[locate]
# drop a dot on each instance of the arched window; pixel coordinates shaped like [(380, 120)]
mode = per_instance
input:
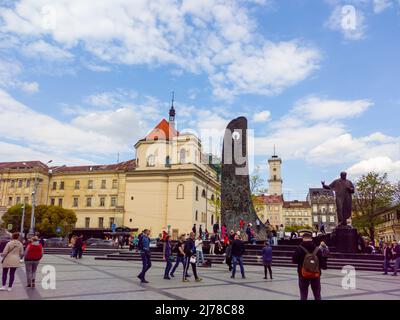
[(151, 161), (183, 155), (197, 216), (197, 193), (203, 193), (212, 197), (180, 191), (167, 161)]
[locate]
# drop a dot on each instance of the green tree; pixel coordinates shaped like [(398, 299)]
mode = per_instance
[(296, 228), (256, 183), (215, 203), (373, 192), (47, 219)]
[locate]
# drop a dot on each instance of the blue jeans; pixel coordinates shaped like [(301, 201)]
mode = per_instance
[(396, 265), (199, 256), (167, 268), (386, 265), (235, 260), (177, 262), (146, 261)]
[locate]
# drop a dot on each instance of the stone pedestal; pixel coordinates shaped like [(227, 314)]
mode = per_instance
[(346, 239)]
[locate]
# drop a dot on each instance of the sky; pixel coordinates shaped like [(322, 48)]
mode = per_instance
[(81, 83)]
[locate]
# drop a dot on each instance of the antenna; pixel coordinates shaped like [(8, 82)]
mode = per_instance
[(172, 101)]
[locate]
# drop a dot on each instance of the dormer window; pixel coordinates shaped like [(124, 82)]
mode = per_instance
[(151, 161)]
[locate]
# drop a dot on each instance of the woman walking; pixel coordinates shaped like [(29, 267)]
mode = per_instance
[(33, 255), (11, 256), (267, 260), (168, 257)]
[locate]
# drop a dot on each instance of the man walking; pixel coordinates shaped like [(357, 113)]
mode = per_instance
[(387, 257), (396, 256), (190, 258), (309, 262), (144, 249), (237, 256)]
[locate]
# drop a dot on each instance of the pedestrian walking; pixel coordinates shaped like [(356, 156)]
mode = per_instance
[(72, 245), (11, 256), (33, 255), (190, 258), (309, 262), (237, 256), (228, 254), (167, 256), (267, 260), (180, 254), (274, 237), (199, 250), (387, 257), (396, 257), (213, 239), (78, 247), (144, 249)]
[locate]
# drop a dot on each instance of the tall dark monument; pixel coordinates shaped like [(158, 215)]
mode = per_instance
[(236, 202), (345, 237)]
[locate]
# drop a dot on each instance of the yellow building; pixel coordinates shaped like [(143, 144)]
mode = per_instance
[(272, 210), (297, 213), (170, 185), (389, 228)]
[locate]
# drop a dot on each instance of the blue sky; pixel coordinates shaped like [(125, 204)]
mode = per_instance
[(320, 79)]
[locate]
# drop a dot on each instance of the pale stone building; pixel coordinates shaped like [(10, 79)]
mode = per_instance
[(389, 227), (272, 210), (297, 213), (170, 185), (323, 208)]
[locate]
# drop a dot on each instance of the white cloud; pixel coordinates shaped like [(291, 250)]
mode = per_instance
[(216, 37), (377, 164), (316, 108), (381, 5), (98, 68), (262, 116), (31, 87), (114, 98)]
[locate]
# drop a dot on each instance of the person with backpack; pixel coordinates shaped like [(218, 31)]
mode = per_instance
[(180, 254), (309, 262), (190, 258), (12, 253), (267, 260), (144, 249), (33, 255), (167, 256)]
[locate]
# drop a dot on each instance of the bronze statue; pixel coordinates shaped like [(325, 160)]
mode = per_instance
[(343, 190)]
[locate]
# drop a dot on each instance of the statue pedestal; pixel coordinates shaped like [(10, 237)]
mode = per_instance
[(346, 239)]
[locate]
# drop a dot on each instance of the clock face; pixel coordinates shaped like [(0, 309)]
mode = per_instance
[(235, 135)]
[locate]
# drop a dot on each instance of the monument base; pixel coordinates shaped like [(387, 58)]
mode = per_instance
[(346, 239)]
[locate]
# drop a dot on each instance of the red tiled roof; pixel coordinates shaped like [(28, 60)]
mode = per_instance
[(296, 204), (162, 131), (22, 165), (126, 166), (269, 199)]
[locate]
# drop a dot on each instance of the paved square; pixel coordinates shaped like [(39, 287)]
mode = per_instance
[(97, 279)]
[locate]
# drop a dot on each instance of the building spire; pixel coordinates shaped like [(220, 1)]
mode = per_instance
[(274, 150), (172, 110)]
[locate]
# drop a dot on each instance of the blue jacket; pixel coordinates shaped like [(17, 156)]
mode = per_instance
[(167, 249), (145, 243), (267, 254)]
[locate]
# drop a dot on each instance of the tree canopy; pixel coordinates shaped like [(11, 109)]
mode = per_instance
[(47, 219)]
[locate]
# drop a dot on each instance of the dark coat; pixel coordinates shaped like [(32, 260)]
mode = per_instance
[(299, 254), (237, 248)]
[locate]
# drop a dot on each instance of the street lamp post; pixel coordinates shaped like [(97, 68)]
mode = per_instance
[(23, 219), (34, 192)]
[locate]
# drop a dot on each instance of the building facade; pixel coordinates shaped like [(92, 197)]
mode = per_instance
[(275, 176), (323, 208), (170, 185), (297, 213), (389, 227), (272, 210)]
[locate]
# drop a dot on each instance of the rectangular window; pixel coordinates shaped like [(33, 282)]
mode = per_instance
[(28, 183), (315, 219), (103, 184), (75, 202), (54, 185), (102, 202), (12, 183), (113, 201), (26, 199), (332, 219), (315, 208), (52, 201), (87, 222), (19, 183), (88, 202), (323, 218), (62, 185), (60, 202), (115, 184), (101, 223), (77, 185), (19, 200), (111, 222), (90, 184)]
